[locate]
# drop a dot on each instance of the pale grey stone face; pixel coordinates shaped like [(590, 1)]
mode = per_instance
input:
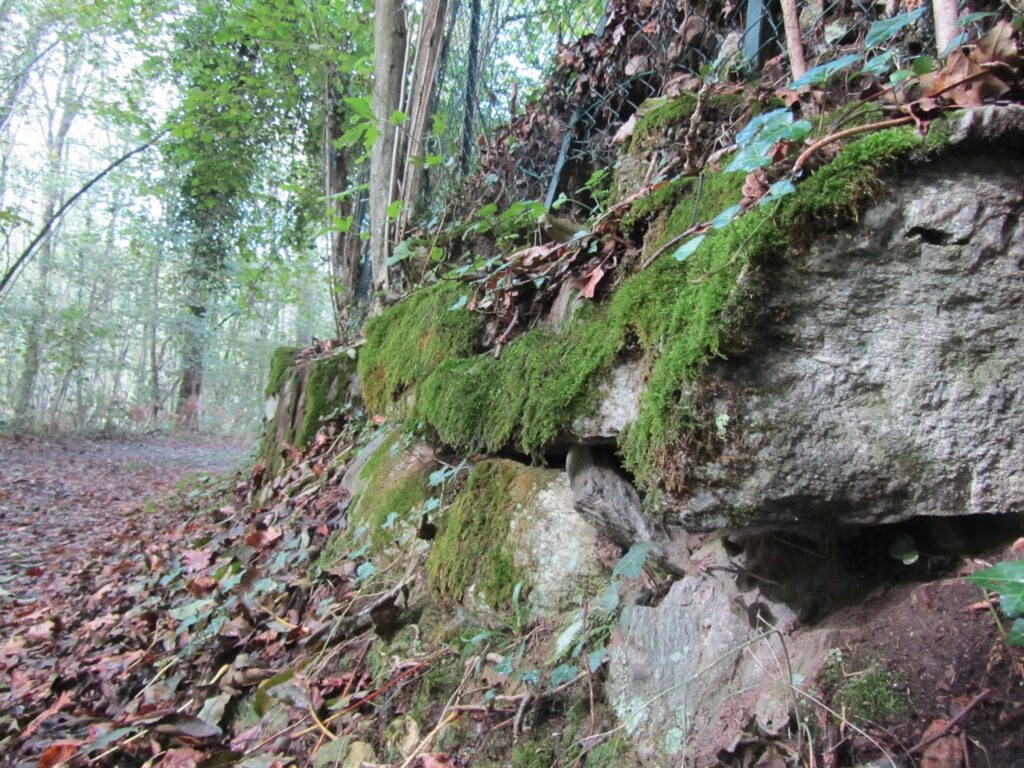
[(882, 378)]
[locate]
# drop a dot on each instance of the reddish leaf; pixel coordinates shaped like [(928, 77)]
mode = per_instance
[(591, 281), (58, 752)]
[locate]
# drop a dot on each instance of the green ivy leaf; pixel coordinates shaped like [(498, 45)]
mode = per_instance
[(594, 659), (562, 674), (360, 105), (725, 217), (462, 302), (1008, 580), (1016, 634), (878, 65), (687, 249), (779, 189), (632, 563), (820, 74), (884, 30), (365, 571)]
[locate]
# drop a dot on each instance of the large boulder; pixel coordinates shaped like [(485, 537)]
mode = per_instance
[(881, 380)]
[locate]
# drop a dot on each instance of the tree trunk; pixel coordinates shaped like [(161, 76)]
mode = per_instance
[(389, 40), (421, 107), (56, 141), (469, 98), (190, 389), (346, 254)]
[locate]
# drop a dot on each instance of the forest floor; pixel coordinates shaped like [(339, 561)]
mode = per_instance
[(75, 511), (71, 501)]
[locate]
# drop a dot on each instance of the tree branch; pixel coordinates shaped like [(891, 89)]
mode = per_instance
[(26, 254)]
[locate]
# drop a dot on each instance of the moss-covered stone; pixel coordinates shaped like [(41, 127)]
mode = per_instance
[(471, 547), (324, 392), (409, 340), (679, 314), (280, 361), (658, 118), (306, 393), (875, 694)]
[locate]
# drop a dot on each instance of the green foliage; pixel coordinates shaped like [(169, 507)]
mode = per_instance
[(470, 544), (391, 499), (532, 755), (408, 341), (1007, 580)]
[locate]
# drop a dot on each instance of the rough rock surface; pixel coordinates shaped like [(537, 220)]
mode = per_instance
[(558, 548), (882, 378), (697, 672)]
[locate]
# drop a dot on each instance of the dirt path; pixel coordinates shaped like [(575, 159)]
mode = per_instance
[(69, 502)]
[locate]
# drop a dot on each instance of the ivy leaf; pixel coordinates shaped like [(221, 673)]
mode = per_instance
[(504, 667), (365, 571), (820, 74), (687, 249), (884, 30), (360, 105), (595, 658), (1008, 580), (878, 65), (779, 189), (562, 674), (632, 563), (462, 302), (725, 217), (1016, 634)]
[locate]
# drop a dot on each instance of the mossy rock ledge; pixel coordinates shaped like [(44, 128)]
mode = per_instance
[(847, 355)]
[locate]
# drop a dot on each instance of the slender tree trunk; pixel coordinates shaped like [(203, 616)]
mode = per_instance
[(56, 141), (389, 52), (946, 29), (469, 97), (190, 388), (421, 106)]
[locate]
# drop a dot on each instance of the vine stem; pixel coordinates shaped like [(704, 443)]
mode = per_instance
[(840, 135)]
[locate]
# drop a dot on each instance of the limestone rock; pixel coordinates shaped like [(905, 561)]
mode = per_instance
[(705, 667), (882, 379), (617, 407)]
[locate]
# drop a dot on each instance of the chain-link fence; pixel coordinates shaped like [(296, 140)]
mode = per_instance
[(637, 50)]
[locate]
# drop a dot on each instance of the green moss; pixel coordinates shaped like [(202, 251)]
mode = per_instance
[(613, 753), (678, 315), (280, 361), (409, 340), (524, 398), (532, 755), (471, 543), (401, 496), (873, 695), (662, 116), (324, 391), (394, 486)]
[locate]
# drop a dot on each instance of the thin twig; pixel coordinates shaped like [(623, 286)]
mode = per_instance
[(832, 138), (949, 726)]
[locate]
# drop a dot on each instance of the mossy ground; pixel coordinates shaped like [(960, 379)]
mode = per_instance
[(677, 314), (471, 547)]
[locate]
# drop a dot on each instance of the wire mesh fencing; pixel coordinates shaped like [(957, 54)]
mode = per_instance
[(620, 56)]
